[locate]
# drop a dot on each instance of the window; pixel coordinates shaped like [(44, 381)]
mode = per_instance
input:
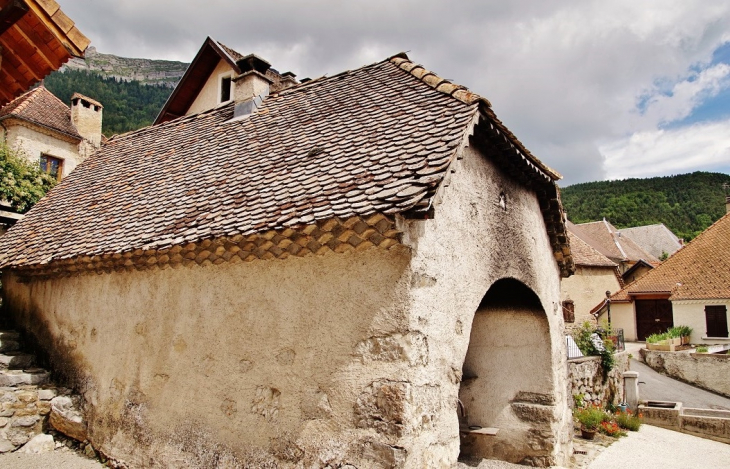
[(716, 317), (225, 89), (52, 165)]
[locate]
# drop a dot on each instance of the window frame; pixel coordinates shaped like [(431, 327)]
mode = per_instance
[(221, 78), (47, 157)]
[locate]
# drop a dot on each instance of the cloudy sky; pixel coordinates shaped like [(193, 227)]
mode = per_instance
[(605, 89)]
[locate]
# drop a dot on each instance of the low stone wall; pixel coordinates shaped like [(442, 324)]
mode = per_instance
[(585, 376), (704, 423), (707, 371)]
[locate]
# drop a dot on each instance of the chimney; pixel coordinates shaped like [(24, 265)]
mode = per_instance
[(251, 86), (86, 117)]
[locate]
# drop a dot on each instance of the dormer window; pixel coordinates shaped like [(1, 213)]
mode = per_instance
[(225, 94)]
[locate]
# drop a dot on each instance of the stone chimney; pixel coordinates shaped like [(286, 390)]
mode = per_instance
[(251, 86), (86, 117)]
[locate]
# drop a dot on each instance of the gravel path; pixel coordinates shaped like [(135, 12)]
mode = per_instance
[(61, 458)]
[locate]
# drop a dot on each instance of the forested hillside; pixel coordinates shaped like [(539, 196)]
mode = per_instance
[(686, 204), (128, 105)]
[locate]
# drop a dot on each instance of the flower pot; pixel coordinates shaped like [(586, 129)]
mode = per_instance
[(622, 408), (587, 433), (685, 340)]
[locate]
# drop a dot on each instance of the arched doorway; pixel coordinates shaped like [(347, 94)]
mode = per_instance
[(507, 381)]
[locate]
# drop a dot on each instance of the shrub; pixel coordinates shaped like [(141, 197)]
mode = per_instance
[(590, 417), (701, 349), (680, 331), (611, 429), (656, 338), (22, 183), (629, 421)]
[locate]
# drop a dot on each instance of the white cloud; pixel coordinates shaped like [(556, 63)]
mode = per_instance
[(562, 75), (702, 146)]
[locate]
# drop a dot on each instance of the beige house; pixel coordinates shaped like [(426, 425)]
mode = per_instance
[(691, 288), (44, 129), (595, 275), (361, 269)]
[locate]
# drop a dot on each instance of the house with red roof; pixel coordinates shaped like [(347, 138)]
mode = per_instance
[(595, 275), (362, 269), (691, 288)]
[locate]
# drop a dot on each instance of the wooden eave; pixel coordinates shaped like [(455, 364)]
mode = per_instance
[(37, 38), (184, 94)]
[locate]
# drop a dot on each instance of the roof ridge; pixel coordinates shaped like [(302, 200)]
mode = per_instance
[(442, 85)]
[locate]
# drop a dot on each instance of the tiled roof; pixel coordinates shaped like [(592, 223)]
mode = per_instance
[(584, 254), (41, 107), (700, 270), (605, 238), (654, 239), (379, 139)]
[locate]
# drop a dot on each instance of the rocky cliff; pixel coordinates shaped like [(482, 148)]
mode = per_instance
[(151, 72)]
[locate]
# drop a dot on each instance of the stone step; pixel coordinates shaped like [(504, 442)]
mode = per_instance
[(15, 360), (30, 376), (10, 335), (8, 345)]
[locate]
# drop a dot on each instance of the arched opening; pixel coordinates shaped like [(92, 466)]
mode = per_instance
[(507, 382)]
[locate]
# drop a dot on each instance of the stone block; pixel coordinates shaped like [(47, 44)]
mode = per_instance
[(381, 406), (411, 347), (46, 394), (67, 418), (41, 443), (382, 456)]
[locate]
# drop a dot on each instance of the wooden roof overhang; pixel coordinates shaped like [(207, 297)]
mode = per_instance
[(36, 38), (184, 94)]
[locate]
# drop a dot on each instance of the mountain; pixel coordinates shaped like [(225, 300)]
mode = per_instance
[(146, 71), (687, 203)]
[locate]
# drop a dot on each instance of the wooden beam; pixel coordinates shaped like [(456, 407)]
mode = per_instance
[(58, 30), (33, 39), (14, 65), (11, 14)]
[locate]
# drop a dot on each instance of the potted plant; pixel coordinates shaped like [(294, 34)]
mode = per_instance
[(683, 332), (590, 419)]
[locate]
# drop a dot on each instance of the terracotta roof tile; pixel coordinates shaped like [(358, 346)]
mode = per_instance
[(373, 139), (605, 238), (41, 107), (700, 270), (584, 254)]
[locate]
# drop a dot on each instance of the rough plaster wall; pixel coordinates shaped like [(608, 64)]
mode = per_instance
[(692, 314), (182, 366), (33, 143), (209, 94), (622, 317), (587, 288), (708, 371), (468, 245)]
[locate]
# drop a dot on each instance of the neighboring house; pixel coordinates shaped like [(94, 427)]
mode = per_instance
[(44, 129), (210, 81), (595, 275), (691, 288), (349, 271), (36, 38), (606, 239), (657, 240)]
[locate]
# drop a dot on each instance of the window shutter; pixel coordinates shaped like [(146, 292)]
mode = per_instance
[(716, 317)]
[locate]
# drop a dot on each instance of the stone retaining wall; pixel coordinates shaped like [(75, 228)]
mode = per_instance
[(704, 423), (23, 413), (707, 371), (585, 376)]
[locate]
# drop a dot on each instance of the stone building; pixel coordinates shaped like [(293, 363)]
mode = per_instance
[(361, 269), (44, 129)]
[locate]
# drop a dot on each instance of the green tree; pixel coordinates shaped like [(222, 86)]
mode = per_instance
[(22, 183)]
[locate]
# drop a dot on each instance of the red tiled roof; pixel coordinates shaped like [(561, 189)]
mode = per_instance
[(605, 238), (379, 139), (700, 270), (41, 107), (584, 254)]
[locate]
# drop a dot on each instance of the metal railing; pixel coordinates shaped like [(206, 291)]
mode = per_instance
[(617, 338)]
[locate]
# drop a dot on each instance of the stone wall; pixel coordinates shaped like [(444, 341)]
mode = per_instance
[(586, 377), (705, 370), (23, 414)]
